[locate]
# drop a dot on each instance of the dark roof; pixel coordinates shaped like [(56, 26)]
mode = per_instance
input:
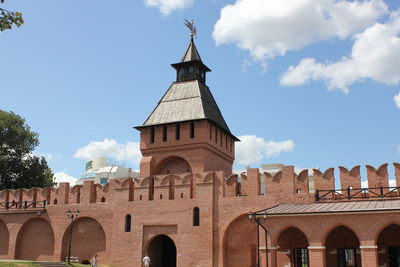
[(187, 101), (191, 53), (332, 207)]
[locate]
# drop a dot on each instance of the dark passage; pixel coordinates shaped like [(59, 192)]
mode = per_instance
[(162, 252)]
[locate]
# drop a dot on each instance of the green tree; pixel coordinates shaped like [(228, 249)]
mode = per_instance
[(19, 168), (9, 18)]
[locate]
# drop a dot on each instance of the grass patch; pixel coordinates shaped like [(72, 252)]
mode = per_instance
[(17, 264)]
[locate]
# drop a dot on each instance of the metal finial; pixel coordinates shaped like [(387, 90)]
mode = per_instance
[(191, 27)]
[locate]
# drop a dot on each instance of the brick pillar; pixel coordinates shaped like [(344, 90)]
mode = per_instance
[(397, 173), (369, 256), (272, 257), (251, 185), (63, 193), (317, 256), (88, 194)]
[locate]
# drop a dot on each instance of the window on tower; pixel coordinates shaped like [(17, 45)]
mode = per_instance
[(196, 216), (165, 129), (191, 69), (177, 131), (152, 131), (192, 130)]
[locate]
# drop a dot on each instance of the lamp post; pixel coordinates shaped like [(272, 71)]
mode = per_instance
[(71, 215), (254, 217)]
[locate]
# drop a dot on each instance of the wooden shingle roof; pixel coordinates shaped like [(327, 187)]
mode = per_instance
[(186, 101)]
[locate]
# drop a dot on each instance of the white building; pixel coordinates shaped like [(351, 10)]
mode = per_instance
[(101, 171)]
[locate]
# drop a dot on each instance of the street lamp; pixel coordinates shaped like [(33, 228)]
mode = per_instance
[(71, 215), (258, 218)]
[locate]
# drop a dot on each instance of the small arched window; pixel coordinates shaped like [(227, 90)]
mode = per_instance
[(191, 69), (196, 216), (103, 199), (55, 201), (128, 222), (181, 71)]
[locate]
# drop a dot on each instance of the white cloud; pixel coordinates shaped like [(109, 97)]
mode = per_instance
[(62, 177), (253, 149), (269, 28), (375, 55), (168, 6), (397, 100), (111, 149)]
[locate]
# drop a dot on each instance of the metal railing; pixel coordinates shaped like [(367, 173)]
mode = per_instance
[(357, 193), (23, 205)]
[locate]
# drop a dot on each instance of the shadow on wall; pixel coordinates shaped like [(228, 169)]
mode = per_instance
[(88, 239)]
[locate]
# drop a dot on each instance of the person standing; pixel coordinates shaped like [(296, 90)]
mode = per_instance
[(146, 261), (94, 261)]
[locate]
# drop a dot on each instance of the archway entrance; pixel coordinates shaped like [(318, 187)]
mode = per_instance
[(292, 248), (162, 252), (389, 246), (342, 246)]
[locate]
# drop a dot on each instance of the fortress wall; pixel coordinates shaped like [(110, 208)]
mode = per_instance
[(187, 186)]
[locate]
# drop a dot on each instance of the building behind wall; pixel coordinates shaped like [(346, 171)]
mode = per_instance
[(187, 207), (100, 170)]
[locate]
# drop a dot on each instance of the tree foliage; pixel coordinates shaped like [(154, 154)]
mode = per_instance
[(9, 18), (19, 168)]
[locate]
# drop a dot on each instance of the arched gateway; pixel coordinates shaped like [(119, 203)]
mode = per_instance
[(162, 252)]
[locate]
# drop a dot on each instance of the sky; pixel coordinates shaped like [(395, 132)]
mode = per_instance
[(309, 83)]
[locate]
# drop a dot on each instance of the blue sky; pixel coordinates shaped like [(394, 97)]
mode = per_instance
[(311, 84)]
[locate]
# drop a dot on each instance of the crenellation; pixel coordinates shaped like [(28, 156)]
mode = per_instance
[(29, 194), (377, 177), (184, 189), (62, 194), (75, 194), (272, 183), (231, 186), (301, 183), (251, 183), (4, 195), (44, 194), (16, 195), (53, 194), (350, 178), (102, 193), (88, 192), (189, 185), (324, 181), (163, 188)]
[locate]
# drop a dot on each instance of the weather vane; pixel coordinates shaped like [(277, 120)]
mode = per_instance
[(191, 27)]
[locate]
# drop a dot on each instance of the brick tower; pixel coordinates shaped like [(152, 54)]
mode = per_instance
[(186, 131)]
